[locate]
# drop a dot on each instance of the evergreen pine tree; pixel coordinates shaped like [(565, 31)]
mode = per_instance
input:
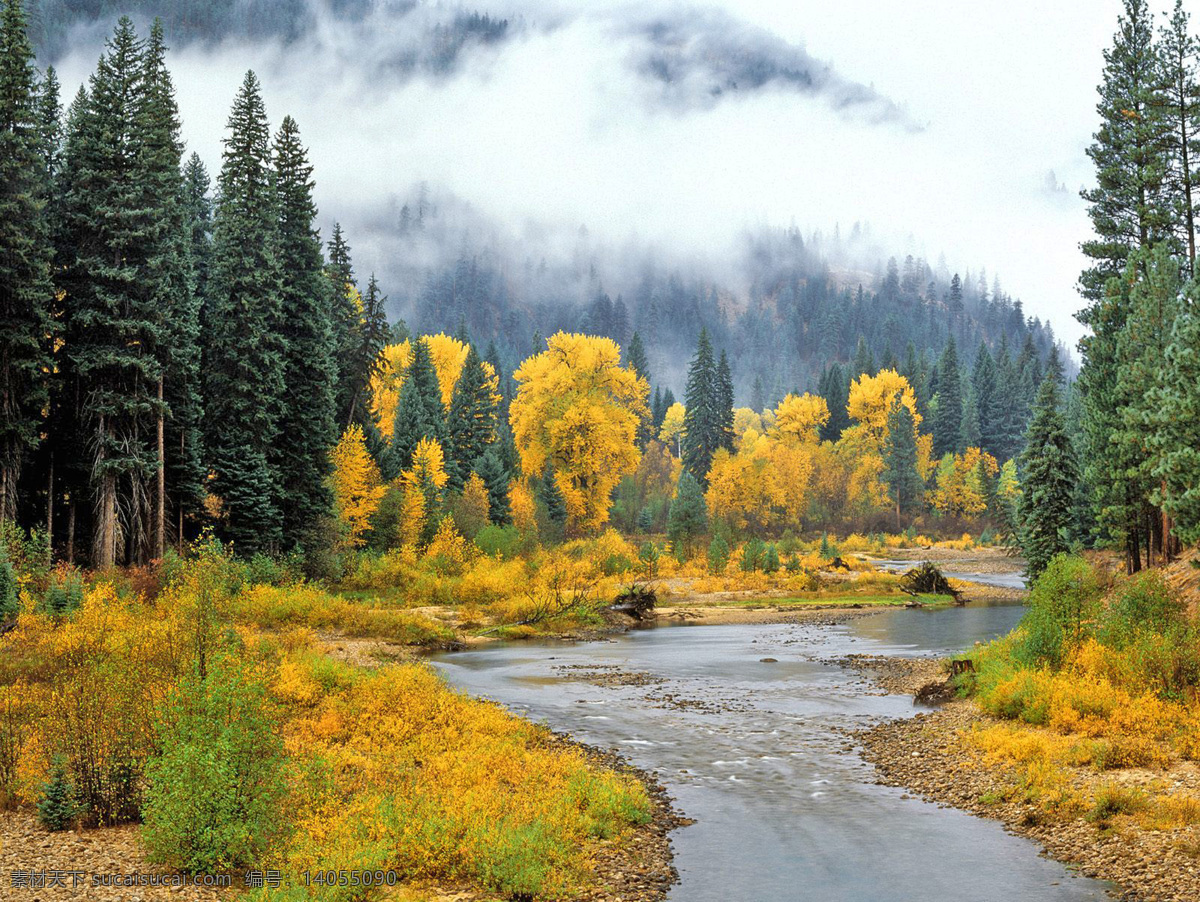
[(346, 320), (307, 425), (1180, 94), (1175, 435), (1128, 207), (26, 293), (687, 518), (470, 422), (864, 360), (724, 404), (1049, 469), (970, 434), (947, 421), (244, 354), (551, 497), (419, 411), (702, 418), (495, 477), (170, 281), (113, 281), (637, 361), (900, 461), (987, 401)]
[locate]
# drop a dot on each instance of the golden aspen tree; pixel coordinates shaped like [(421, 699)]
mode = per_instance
[(578, 410), (357, 486)]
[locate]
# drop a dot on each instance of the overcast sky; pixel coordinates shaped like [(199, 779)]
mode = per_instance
[(974, 104)]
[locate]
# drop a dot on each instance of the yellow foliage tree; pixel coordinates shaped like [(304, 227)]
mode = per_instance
[(386, 382), (578, 409), (801, 418), (872, 399), (357, 486), (764, 485), (427, 477), (745, 419), (524, 508), (471, 510), (448, 355), (962, 483), (672, 431)]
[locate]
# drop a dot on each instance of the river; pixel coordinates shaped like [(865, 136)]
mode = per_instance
[(757, 754)]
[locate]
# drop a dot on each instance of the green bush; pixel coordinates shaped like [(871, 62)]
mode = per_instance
[(770, 559), (57, 807), (1063, 604), (214, 796), (65, 592), (1145, 603), (10, 603), (495, 540)]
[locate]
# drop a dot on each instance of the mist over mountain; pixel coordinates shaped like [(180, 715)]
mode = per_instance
[(482, 194)]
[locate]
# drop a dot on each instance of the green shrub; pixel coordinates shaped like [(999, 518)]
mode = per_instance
[(57, 807), (10, 603), (214, 796), (648, 557), (1063, 604), (770, 559), (65, 592), (1145, 603), (495, 540)]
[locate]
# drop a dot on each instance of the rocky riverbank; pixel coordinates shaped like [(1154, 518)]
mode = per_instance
[(930, 755)]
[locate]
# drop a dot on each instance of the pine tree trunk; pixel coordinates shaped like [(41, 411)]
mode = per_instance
[(160, 518), (71, 531), (1189, 213), (106, 552), (50, 511)]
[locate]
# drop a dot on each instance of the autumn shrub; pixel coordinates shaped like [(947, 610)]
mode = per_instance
[(391, 570), (449, 553), (1063, 603), (17, 713), (214, 794), (306, 605), (396, 771)]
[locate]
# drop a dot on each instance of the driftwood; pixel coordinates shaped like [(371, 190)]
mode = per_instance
[(636, 600), (928, 580)]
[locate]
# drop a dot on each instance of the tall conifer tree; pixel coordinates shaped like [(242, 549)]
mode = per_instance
[(244, 359), (26, 293), (1049, 477), (307, 427)]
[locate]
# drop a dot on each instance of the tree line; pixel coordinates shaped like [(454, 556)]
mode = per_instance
[(168, 357), (1140, 377)]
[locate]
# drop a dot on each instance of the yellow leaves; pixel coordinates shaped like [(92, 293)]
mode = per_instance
[(448, 355), (357, 487), (449, 551), (765, 484), (578, 409), (872, 398), (800, 418), (745, 420), (672, 431), (385, 386), (962, 483), (524, 507), (428, 465)]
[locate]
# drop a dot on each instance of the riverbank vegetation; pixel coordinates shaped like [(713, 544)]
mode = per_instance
[(219, 719), (1101, 678)]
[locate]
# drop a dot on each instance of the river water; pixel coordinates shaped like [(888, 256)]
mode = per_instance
[(755, 752)]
